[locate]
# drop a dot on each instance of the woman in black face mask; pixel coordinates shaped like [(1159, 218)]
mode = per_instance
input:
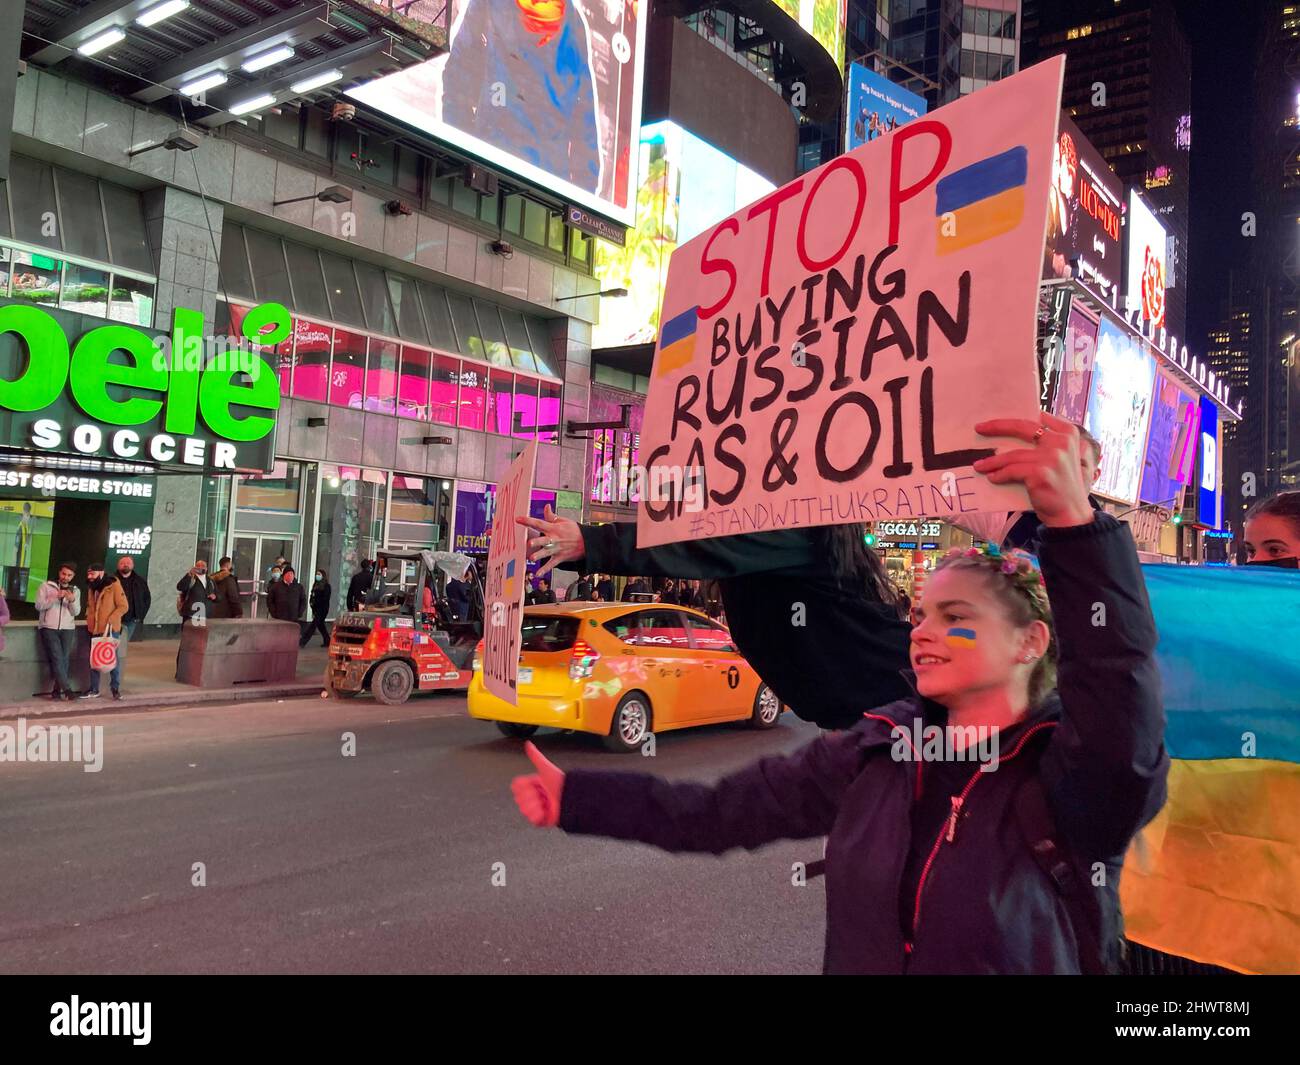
[(320, 607), (1273, 531)]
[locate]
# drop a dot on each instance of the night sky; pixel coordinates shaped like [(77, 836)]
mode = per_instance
[(1223, 39)]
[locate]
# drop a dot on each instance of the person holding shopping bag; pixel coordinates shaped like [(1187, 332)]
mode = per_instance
[(106, 605)]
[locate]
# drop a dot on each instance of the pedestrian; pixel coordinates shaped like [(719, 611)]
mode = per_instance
[(1272, 531), (276, 569), (106, 606), (320, 608), (58, 602), (939, 866), (458, 598), (541, 593), (227, 603), (812, 610), (195, 593), (138, 602), (668, 593), (360, 584), (285, 599), (636, 586), (605, 586), (579, 591)]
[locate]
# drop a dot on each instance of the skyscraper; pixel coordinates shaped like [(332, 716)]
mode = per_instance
[(1128, 77)]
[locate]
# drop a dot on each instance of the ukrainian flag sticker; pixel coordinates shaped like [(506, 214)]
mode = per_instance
[(677, 342), (981, 201)]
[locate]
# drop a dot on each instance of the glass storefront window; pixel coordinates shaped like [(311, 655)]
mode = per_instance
[(348, 369), (413, 383), (473, 396), (381, 377), (521, 354), (443, 388), (85, 290), (132, 301), (279, 355), (4, 271), (214, 516), (311, 375), (549, 412), (494, 337), (37, 278), (279, 491), (83, 216), (351, 526), (525, 423), (420, 511), (500, 414), (467, 327)]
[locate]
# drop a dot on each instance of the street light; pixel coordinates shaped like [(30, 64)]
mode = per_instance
[(329, 194)]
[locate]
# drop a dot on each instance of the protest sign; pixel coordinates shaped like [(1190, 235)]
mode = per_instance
[(507, 576), (825, 353)]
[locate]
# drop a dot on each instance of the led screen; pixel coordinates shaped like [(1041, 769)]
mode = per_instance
[(547, 89)]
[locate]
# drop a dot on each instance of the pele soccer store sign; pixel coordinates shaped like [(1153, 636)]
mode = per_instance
[(73, 385)]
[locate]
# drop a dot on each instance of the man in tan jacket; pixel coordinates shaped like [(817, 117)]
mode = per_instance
[(105, 609)]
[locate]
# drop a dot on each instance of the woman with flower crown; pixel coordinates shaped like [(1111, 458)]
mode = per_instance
[(947, 866)]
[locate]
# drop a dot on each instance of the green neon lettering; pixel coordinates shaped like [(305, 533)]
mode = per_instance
[(91, 372), (41, 382), (187, 359), (218, 391)]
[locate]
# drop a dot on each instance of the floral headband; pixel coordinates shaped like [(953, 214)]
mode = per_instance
[(1020, 566)]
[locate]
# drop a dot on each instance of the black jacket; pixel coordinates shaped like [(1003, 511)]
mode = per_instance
[(320, 598), (845, 656), (138, 599), (286, 602), (192, 591), (358, 586), (1026, 532), (1095, 747), (228, 603)]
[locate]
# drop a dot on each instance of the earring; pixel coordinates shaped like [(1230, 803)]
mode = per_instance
[(1027, 658)]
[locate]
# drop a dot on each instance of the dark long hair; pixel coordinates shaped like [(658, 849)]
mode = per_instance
[(853, 563)]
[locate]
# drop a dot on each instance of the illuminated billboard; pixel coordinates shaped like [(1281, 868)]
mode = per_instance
[(685, 186), (1171, 442), (547, 89), (1209, 467), (1119, 409), (1085, 206), (875, 106), (1144, 279), (823, 20), (1071, 398)]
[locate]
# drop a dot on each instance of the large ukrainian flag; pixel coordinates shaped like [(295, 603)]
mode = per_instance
[(1216, 876)]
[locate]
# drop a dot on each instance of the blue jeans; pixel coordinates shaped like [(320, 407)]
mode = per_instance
[(115, 676), (58, 649)]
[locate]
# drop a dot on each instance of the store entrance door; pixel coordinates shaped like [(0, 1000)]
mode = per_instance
[(252, 560)]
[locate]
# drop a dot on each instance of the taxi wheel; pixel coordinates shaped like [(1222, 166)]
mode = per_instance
[(767, 708), (515, 732), (391, 683), (631, 724)]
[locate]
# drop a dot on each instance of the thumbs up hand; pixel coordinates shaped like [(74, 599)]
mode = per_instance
[(538, 794)]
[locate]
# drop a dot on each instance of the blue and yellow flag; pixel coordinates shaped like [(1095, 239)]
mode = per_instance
[(1216, 876), (981, 201), (677, 342)]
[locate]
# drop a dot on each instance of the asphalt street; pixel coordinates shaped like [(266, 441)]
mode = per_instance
[(384, 861)]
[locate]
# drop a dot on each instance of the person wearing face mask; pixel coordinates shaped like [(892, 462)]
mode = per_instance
[(934, 866), (227, 604), (1272, 531), (285, 598), (320, 608), (195, 593), (58, 602)]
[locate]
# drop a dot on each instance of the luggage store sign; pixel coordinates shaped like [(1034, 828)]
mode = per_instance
[(75, 385)]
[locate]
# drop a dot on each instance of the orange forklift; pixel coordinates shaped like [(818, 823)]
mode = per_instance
[(404, 640)]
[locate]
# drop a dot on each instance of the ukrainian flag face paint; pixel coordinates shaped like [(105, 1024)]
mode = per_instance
[(960, 638)]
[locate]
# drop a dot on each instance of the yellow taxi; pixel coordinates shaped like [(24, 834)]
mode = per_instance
[(622, 671)]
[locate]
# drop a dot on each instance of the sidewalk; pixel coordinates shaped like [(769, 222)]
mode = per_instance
[(150, 683)]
